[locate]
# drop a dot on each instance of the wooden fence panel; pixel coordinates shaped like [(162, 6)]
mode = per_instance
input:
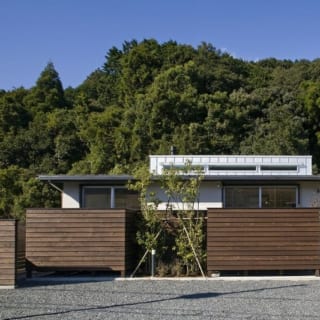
[(79, 239), (21, 251), (263, 239), (12, 256)]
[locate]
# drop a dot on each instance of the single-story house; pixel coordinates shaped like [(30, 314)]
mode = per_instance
[(235, 181), (261, 215)]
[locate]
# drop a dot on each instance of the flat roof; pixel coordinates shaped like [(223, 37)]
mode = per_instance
[(126, 178), (86, 178), (238, 178)]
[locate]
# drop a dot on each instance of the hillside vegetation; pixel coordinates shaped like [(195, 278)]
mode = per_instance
[(146, 97)]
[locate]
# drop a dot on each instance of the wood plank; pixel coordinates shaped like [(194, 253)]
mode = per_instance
[(8, 282), (66, 259), (7, 252), (265, 267), (263, 220), (70, 229), (88, 238), (235, 247), (263, 211), (273, 243), (5, 255), (257, 223), (47, 245), (257, 253), (280, 265), (10, 261), (63, 215), (81, 254), (263, 239), (275, 228), (74, 223), (78, 249), (79, 238), (313, 239), (76, 263), (9, 276), (7, 244), (30, 222), (263, 215), (223, 236)]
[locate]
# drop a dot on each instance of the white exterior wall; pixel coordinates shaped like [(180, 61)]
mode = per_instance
[(211, 191), (210, 196), (310, 194), (70, 195), (303, 163)]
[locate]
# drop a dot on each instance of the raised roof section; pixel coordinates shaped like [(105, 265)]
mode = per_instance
[(265, 165)]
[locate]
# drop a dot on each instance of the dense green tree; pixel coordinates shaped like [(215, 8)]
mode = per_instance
[(139, 68), (280, 132), (67, 146), (174, 54), (10, 188), (97, 92), (19, 189), (98, 133), (148, 96), (218, 71), (309, 96), (34, 194), (172, 100), (13, 113), (48, 92)]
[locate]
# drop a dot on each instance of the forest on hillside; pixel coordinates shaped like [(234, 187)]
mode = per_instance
[(146, 97)]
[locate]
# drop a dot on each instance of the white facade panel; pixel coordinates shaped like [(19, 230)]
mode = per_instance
[(237, 164), (210, 196), (203, 206), (71, 195), (309, 194)]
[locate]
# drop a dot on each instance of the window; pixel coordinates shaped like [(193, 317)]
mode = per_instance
[(103, 197), (125, 198), (279, 168), (278, 197), (184, 168), (241, 197), (96, 197), (233, 168), (260, 196)]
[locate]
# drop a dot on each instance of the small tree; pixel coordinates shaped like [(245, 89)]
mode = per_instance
[(150, 224), (182, 189), (181, 186)]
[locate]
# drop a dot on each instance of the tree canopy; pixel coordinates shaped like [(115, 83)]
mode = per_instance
[(148, 96)]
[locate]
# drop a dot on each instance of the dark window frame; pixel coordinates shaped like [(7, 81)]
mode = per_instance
[(260, 191), (102, 186)]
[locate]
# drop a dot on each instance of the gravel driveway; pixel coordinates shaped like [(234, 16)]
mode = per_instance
[(165, 299)]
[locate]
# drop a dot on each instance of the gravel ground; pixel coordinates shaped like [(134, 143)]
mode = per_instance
[(165, 299)]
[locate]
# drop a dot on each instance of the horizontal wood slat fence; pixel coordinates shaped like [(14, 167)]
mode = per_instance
[(80, 239), (12, 252), (263, 239)]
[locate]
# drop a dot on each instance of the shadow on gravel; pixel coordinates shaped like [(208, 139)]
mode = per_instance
[(62, 278), (193, 296)]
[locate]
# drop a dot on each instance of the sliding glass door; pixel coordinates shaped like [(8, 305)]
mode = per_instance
[(260, 196)]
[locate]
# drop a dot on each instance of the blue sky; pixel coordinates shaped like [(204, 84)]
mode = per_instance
[(76, 34)]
